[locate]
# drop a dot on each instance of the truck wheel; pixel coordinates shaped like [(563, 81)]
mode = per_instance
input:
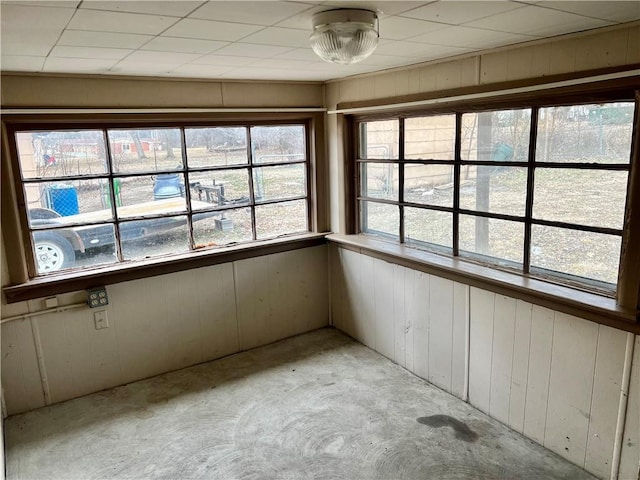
[(53, 252)]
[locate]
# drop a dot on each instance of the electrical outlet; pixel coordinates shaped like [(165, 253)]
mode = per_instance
[(97, 297), (100, 319)]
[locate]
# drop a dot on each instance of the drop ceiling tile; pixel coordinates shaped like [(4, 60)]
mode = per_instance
[(185, 45), (83, 38), (269, 74), (156, 7), (459, 12), (257, 13), (251, 50), (44, 3), (22, 18), (210, 30), (120, 22), (614, 11), (299, 54), (534, 20), (21, 63), (384, 60), (383, 8), (77, 65), (90, 52), (223, 60), (146, 68), (420, 50), (143, 56), (399, 28), (280, 63), (200, 71), (285, 37), (31, 31), (302, 20), (466, 37), (37, 46)]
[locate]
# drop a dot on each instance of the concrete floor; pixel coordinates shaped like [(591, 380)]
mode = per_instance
[(315, 406)]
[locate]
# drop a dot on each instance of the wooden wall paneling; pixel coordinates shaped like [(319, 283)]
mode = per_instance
[(633, 52), (383, 307), (182, 317), (278, 298), (306, 290), (399, 316), (216, 300), (21, 383), (603, 415), (481, 313), (563, 56), (253, 304), (459, 364), (605, 49), (570, 386), (440, 332), (520, 368), (502, 357), (630, 454), (313, 287), (410, 317), (418, 317), (366, 314), (336, 287), (352, 311), (535, 413), (66, 355)]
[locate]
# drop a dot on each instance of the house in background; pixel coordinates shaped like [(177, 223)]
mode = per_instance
[(555, 360)]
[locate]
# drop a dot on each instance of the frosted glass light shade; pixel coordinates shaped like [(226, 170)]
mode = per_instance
[(344, 36)]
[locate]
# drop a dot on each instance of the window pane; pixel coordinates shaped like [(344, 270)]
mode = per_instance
[(216, 146), (273, 183), (380, 218), (151, 195), (380, 180), (429, 184), (583, 197), (59, 249), (379, 140), (500, 136), (585, 133), (281, 218), (218, 188), (222, 228), (61, 154), (157, 236), (74, 201), (430, 137), (145, 150), (428, 226), (583, 254), (495, 190), (500, 239), (278, 144)]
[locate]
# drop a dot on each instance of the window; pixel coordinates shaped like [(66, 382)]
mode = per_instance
[(539, 190), (107, 195)]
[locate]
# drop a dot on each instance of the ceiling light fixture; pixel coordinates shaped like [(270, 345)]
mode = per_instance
[(344, 35)]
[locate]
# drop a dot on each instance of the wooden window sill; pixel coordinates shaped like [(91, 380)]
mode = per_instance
[(587, 305), (83, 279)]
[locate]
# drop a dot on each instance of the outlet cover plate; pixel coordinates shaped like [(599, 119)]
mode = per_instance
[(97, 297)]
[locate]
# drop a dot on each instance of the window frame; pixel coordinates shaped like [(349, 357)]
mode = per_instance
[(26, 284), (602, 92)]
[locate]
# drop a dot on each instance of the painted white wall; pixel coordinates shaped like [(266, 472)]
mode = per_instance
[(161, 324), (552, 377)]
